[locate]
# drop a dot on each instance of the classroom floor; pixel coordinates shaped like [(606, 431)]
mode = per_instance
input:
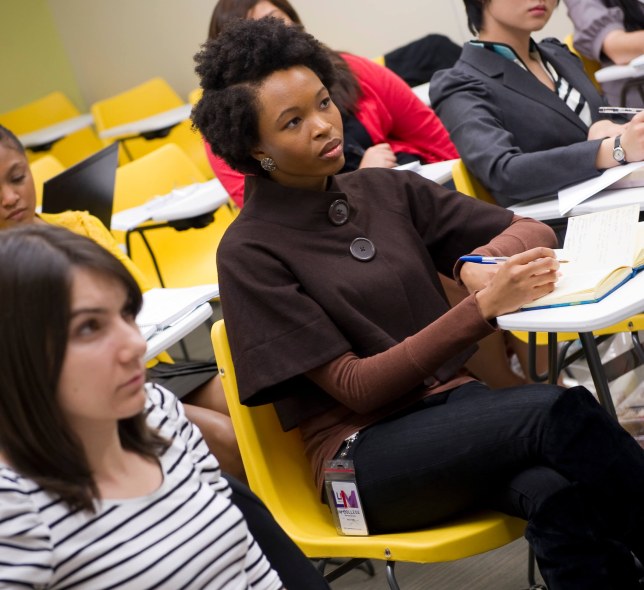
[(505, 568)]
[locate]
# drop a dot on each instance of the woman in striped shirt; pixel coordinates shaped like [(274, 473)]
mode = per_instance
[(104, 483)]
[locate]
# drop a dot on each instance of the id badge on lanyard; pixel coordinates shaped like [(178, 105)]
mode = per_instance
[(343, 497)]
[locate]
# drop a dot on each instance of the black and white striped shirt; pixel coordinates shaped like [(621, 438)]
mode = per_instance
[(571, 97), (186, 534)]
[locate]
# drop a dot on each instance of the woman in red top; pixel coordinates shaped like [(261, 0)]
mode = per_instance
[(385, 123)]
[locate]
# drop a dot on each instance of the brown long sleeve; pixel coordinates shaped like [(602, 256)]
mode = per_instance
[(366, 384)]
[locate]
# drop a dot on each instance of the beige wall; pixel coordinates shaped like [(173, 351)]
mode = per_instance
[(115, 44), (32, 59)]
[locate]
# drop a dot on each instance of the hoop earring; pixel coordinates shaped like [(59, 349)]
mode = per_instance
[(268, 164)]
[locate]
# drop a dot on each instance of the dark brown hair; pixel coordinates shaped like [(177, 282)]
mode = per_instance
[(345, 89), (633, 14), (229, 10), (36, 270), (9, 140)]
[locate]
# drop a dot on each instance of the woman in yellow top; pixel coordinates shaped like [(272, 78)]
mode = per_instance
[(201, 393)]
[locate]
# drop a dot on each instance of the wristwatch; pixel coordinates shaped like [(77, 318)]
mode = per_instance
[(618, 151)]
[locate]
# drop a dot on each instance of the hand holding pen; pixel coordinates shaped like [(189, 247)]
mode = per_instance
[(518, 280)]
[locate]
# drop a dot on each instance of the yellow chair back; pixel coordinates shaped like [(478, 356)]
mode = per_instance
[(46, 111), (279, 473), (468, 184), (590, 65), (42, 170), (185, 257), (149, 98)]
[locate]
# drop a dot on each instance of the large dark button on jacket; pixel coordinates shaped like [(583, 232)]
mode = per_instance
[(362, 249), (339, 212)]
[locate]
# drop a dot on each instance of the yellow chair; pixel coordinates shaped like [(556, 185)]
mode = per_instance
[(46, 111), (468, 184), (42, 170), (145, 100), (590, 65), (185, 257), (279, 473), (195, 96)]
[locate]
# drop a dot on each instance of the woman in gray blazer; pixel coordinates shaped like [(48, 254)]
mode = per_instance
[(524, 116)]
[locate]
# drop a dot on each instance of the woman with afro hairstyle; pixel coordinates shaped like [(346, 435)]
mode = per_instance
[(334, 310), (386, 124)]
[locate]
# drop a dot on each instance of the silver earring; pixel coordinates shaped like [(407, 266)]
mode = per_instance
[(268, 164)]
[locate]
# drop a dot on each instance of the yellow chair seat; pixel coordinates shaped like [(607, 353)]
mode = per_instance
[(279, 473)]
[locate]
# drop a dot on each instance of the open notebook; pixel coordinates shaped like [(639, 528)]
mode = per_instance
[(163, 307), (603, 250)]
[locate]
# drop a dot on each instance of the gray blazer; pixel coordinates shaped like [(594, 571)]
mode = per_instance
[(513, 133)]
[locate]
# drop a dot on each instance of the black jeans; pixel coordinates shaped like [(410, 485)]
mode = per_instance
[(550, 455)]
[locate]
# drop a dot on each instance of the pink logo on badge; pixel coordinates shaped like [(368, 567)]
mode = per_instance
[(344, 501)]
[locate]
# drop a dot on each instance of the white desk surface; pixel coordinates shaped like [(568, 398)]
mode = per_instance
[(56, 131), (153, 123), (439, 172), (548, 209), (422, 92), (162, 340), (622, 303), (182, 203), (611, 73)]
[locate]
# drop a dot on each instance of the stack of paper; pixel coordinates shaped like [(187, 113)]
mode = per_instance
[(627, 176)]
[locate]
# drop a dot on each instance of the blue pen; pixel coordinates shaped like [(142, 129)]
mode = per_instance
[(484, 259), (490, 259)]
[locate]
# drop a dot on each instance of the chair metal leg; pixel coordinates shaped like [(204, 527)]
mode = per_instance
[(597, 372), (391, 576), (531, 572), (532, 359), (345, 567), (637, 346), (531, 567)]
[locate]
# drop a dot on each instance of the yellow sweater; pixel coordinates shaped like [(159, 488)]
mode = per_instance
[(84, 224)]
